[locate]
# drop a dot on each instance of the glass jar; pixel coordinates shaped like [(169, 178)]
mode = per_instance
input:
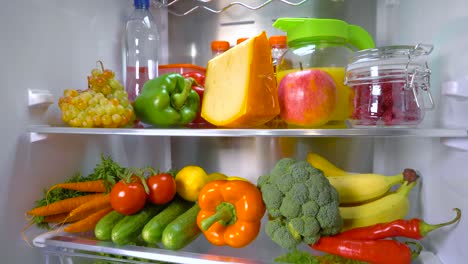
[(388, 84), (318, 46)]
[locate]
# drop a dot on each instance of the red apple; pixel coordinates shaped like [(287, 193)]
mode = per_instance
[(307, 98)]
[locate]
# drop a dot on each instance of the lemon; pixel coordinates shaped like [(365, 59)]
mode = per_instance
[(236, 178), (189, 182)]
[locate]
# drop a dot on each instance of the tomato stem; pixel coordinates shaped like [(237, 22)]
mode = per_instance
[(134, 172)]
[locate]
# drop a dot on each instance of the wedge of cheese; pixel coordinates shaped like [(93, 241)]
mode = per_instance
[(240, 87)]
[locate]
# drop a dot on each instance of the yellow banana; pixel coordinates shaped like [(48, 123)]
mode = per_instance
[(321, 163), (359, 188), (386, 209)]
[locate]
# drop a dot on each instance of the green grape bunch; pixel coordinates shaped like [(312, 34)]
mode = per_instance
[(104, 104)]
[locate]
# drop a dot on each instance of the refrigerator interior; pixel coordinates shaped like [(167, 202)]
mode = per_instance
[(52, 45)]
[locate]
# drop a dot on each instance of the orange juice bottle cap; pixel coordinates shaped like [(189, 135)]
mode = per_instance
[(240, 40), (278, 41), (220, 45)]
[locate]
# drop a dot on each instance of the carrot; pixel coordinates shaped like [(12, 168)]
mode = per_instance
[(88, 223), (92, 206), (62, 206), (86, 186), (62, 218)]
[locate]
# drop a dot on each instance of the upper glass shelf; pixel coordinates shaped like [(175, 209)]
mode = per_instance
[(348, 132)]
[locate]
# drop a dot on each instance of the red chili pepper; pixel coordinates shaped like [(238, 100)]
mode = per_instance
[(413, 228), (372, 251)]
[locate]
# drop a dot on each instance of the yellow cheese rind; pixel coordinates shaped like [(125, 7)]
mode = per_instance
[(240, 88)]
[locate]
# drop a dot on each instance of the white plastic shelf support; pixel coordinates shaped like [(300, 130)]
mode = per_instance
[(460, 144), (38, 103), (35, 137), (40, 98), (456, 92)]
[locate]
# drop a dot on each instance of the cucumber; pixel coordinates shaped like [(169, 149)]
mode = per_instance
[(153, 230), (129, 228), (103, 229), (182, 230)]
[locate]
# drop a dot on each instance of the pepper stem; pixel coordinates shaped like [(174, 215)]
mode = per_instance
[(180, 98), (426, 228), (414, 253), (225, 215)]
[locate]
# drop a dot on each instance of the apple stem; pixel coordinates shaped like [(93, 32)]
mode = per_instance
[(300, 66)]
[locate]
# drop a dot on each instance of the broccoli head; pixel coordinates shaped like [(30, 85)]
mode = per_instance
[(278, 231), (301, 202)]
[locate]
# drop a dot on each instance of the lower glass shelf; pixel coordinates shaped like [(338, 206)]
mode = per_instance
[(69, 246), (61, 247)]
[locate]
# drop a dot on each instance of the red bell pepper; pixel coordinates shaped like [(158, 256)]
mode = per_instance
[(198, 122)]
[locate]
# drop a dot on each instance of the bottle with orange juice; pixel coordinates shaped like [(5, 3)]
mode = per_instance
[(218, 47), (278, 46), (310, 74), (240, 40)]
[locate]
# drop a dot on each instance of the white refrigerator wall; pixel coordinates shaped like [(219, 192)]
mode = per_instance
[(443, 169), (52, 45)]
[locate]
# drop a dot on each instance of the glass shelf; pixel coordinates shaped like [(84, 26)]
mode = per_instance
[(181, 132), (73, 246)]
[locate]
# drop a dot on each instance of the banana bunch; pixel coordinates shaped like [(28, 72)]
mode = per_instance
[(365, 199)]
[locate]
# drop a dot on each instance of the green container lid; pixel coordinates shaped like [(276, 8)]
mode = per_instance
[(305, 29)]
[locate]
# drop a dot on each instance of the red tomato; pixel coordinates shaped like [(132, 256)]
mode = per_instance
[(162, 188), (128, 198)]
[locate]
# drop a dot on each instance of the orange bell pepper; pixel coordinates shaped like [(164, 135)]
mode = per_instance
[(231, 212)]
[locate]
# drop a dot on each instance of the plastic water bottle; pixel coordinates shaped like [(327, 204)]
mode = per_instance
[(141, 46)]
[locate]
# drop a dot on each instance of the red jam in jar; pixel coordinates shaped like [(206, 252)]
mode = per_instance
[(388, 84)]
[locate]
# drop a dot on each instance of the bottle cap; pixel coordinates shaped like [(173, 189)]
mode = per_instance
[(220, 45), (241, 40), (141, 4), (310, 29), (278, 41)]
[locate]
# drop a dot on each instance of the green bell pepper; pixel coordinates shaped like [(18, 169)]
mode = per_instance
[(167, 101)]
